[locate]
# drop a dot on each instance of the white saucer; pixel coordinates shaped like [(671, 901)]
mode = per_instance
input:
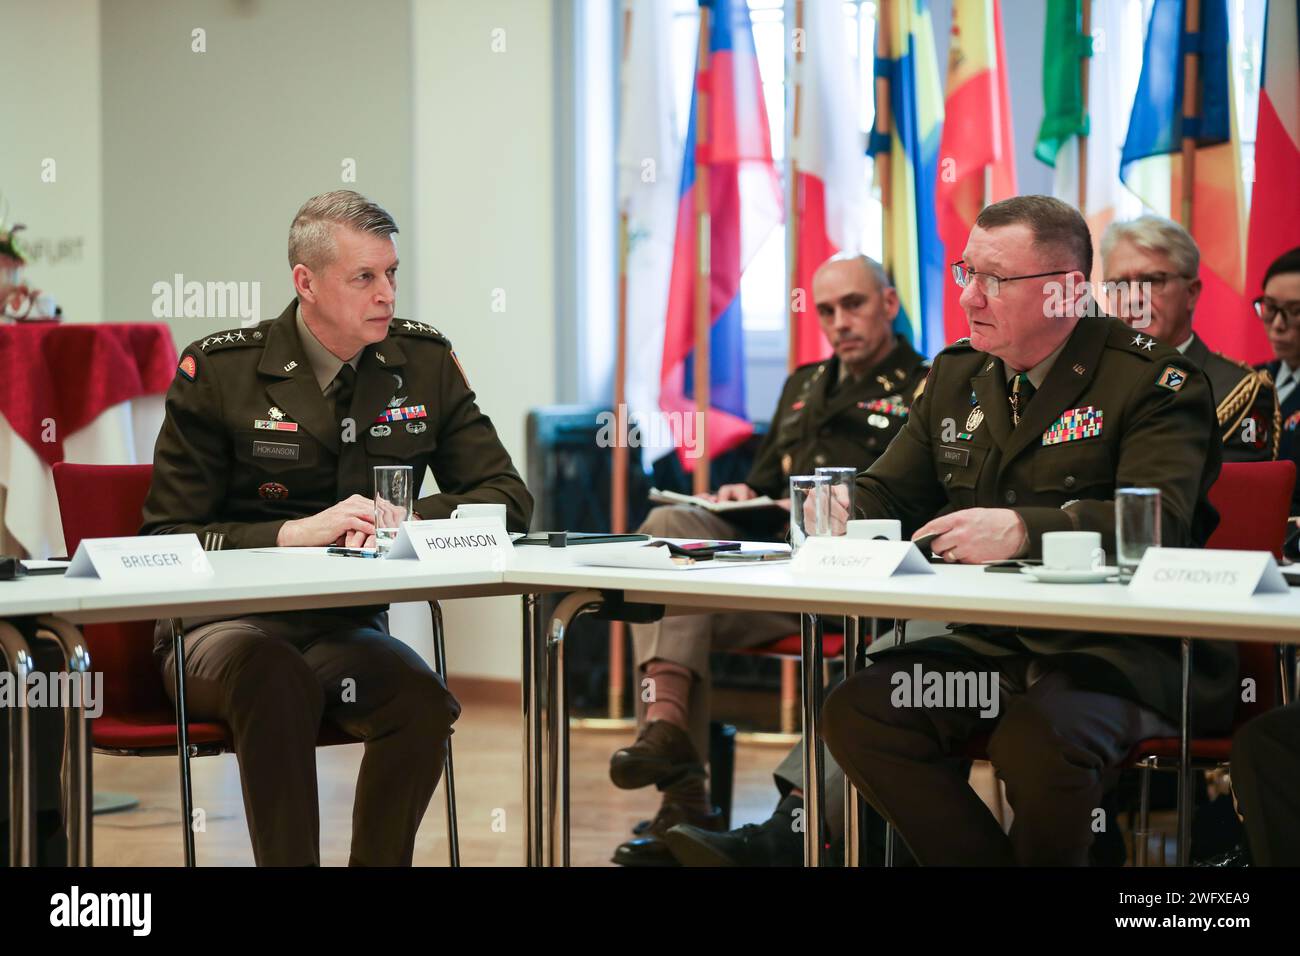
[(1051, 576)]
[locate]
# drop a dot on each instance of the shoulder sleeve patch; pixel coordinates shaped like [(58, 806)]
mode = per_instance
[(1172, 378), (189, 367)]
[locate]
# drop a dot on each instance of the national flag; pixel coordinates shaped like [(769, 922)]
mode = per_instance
[(826, 150), (1152, 158), (744, 207), (913, 252), (1275, 197), (978, 163), (649, 170)]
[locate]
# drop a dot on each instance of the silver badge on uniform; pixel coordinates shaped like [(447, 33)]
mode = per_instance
[(416, 427), (275, 413), (974, 419), (877, 421), (380, 431)]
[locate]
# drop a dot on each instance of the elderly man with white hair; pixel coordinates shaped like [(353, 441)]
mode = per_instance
[(1151, 281)]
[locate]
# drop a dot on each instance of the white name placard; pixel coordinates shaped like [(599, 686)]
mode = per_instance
[(1193, 572), (162, 558), (461, 545), (858, 558)]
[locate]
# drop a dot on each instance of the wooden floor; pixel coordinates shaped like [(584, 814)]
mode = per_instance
[(487, 751), (488, 761)]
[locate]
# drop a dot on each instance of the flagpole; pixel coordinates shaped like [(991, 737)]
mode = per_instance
[(792, 207), (1191, 110), (702, 269), (882, 126), (618, 488), (1084, 66)]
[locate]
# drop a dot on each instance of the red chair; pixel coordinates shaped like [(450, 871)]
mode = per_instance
[(138, 718), (1254, 501)]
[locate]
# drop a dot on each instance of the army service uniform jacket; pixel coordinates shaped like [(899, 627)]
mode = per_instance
[(1117, 409), (1250, 422), (819, 424), (1289, 430), (249, 441)]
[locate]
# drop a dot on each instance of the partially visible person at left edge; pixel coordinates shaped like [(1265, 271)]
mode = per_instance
[(270, 437), (1279, 308)]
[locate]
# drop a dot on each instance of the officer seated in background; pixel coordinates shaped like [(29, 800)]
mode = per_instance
[(1151, 268), (1028, 427), (1266, 782), (1279, 308), (270, 437), (840, 412)]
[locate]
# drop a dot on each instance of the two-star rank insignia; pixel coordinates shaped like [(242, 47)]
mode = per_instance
[(1144, 342)]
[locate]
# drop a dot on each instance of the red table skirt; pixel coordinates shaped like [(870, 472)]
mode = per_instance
[(71, 373)]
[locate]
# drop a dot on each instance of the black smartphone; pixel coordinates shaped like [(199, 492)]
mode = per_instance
[(923, 543), (699, 550), (1011, 566)]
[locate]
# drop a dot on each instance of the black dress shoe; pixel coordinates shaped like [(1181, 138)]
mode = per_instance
[(774, 842), (648, 849), (662, 751)]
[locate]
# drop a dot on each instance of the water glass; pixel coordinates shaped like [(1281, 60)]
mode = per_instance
[(394, 501), (843, 483), (1137, 527), (809, 508)]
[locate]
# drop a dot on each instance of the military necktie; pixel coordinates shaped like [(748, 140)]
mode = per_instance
[(1022, 390), (344, 384)]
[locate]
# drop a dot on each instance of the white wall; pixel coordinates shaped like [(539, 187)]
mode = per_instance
[(207, 155), (484, 142), (49, 112)]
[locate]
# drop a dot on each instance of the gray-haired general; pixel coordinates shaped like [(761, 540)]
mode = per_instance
[(1151, 268), (270, 436)]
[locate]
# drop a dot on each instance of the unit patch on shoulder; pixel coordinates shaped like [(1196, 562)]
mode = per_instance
[(188, 367), (1172, 378)]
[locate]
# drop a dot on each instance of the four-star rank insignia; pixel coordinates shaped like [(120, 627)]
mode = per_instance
[(1172, 378)]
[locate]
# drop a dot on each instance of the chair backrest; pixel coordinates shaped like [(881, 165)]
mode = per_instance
[(107, 501), (1254, 500)]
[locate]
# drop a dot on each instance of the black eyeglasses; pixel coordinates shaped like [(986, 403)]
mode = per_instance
[(1269, 309), (988, 282)]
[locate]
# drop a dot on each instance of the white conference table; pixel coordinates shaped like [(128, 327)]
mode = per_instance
[(967, 594), (251, 582)]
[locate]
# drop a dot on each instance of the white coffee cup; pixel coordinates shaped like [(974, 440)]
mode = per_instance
[(1073, 551), (481, 512), (875, 529)]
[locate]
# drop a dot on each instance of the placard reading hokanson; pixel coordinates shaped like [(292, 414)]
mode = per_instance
[(1193, 572), (161, 558), (842, 557), (480, 544)]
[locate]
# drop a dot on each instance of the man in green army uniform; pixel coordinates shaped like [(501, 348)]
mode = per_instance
[(1029, 426), (840, 412), (1151, 267), (270, 436)]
